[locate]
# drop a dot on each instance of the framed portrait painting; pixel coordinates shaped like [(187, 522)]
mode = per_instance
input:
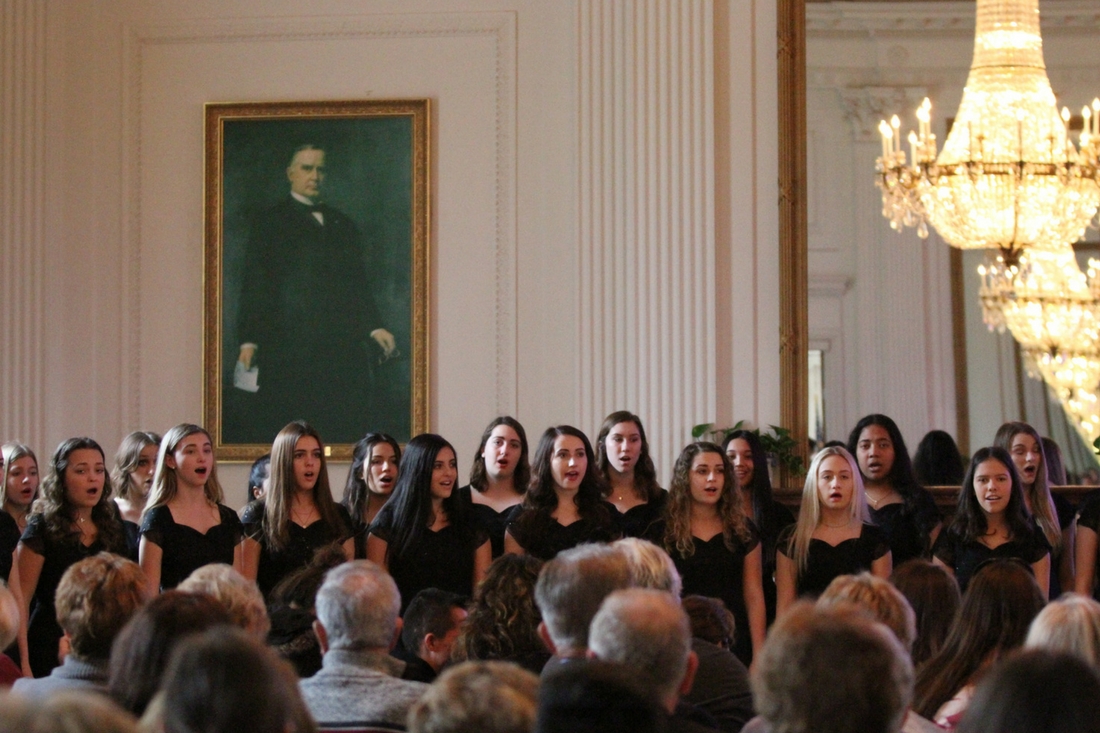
[(316, 271)]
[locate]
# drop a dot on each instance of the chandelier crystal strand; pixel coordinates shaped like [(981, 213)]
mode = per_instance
[(1052, 309), (1009, 176)]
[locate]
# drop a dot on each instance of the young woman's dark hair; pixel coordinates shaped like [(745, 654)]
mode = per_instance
[(54, 506), (260, 471), (1036, 691), (901, 476), (542, 499), (969, 523), (356, 491), (761, 481), (934, 596), (411, 503), (140, 654), (645, 475), (1000, 603), (938, 461), (522, 477)]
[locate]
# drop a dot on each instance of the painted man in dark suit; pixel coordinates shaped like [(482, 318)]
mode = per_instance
[(308, 321)]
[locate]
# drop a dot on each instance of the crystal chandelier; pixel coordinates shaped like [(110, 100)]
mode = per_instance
[(1009, 177), (1052, 310)]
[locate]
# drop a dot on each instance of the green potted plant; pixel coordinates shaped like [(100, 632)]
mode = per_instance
[(780, 445)]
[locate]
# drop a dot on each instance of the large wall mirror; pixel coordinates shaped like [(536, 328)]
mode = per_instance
[(892, 323)]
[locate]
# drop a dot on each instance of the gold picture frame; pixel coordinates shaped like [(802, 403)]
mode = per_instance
[(349, 345)]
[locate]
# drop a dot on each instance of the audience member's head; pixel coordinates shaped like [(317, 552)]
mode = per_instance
[(647, 632), (224, 681), (569, 592), (999, 605), (431, 625), (290, 608), (1070, 624), (831, 671), (934, 597), (9, 617), (1037, 691), (882, 601), (357, 608), (240, 596), (65, 711), (650, 566), (95, 599), (478, 697), (141, 652), (937, 461), (504, 620), (596, 697), (710, 620)]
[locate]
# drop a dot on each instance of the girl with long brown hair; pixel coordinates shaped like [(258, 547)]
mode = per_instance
[(298, 516)]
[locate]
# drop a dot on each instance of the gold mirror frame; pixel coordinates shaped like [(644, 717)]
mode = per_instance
[(794, 340)]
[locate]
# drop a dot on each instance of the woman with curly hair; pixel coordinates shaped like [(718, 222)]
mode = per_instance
[(74, 518), (499, 477), (563, 506), (298, 516), (371, 479), (503, 621), (714, 545), (630, 480)]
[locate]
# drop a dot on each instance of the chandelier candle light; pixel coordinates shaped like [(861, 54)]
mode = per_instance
[(1009, 176)]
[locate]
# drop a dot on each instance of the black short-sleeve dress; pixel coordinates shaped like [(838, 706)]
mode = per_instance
[(184, 549), (43, 631), (490, 520), (908, 528), (301, 545), (543, 537), (441, 559), (771, 519), (716, 570), (964, 557), (826, 562), (637, 519)]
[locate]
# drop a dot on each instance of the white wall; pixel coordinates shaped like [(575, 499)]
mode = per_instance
[(101, 254), (880, 301)]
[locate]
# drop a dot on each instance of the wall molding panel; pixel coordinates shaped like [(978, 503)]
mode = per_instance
[(646, 227), (23, 143)]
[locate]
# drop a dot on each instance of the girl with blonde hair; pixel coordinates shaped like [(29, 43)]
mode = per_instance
[(833, 535), (18, 481), (185, 525)]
